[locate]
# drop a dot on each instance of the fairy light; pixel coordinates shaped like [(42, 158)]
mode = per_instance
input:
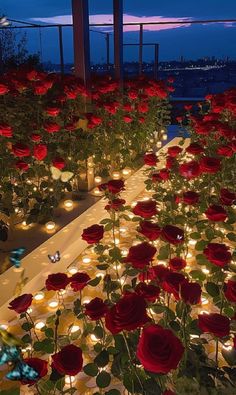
[(117, 241), (24, 223), (189, 255), (204, 301), (39, 325), (126, 172), (29, 310), (130, 215), (50, 226), (227, 346), (98, 179), (75, 328), (123, 229), (164, 137), (68, 204), (69, 380), (124, 251), (192, 242), (86, 299), (34, 189), (53, 303), (4, 325), (133, 204), (205, 271), (39, 296), (94, 338), (86, 259), (116, 175), (159, 144), (100, 274)]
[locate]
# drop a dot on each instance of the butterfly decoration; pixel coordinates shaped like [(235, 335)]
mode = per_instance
[(54, 258), (15, 256), (57, 174), (23, 372)]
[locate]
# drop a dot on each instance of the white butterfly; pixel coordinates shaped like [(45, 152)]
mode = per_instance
[(55, 258), (57, 174)]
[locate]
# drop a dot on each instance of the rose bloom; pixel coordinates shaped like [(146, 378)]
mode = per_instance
[(21, 150), (127, 107), (190, 293), (115, 204), (174, 151), (194, 149), (68, 361), (146, 209), (150, 159), (230, 291), (169, 392), (150, 230), (57, 281), (172, 283), (210, 165), (35, 137), (78, 281), (21, 165), (164, 174), (158, 272), (40, 151), (96, 309), (3, 89), (93, 234), (227, 197), (141, 120), (159, 350), (150, 292), (129, 313), (218, 254), (190, 197), (127, 119), (96, 120), (115, 186), (39, 365), (140, 255), (214, 323), (21, 303), (142, 108), (6, 130), (40, 88), (225, 150), (52, 111), (190, 169), (172, 234), (59, 163), (132, 94), (216, 213), (51, 127), (177, 264), (170, 162)]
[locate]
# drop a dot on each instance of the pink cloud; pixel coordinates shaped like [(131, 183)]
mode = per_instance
[(108, 18)]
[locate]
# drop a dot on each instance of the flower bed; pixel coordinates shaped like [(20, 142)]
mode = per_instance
[(151, 306), (54, 135)]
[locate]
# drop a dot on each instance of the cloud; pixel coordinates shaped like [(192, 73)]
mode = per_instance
[(108, 18)]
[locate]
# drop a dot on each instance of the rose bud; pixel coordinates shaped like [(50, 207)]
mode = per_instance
[(115, 186), (172, 283), (190, 170), (52, 127), (150, 159), (57, 281), (216, 324), (21, 165), (227, 198), (230, 291), (6, 130), (194, 149), (40, 151), (149, 292), (78, 281), (96, 309), (21, 150), (190, 197), (210, 165), (216, 213), (159, 350), (59, 163), (174, 151), (218, 254), (128, 313), (93, 234), (21, 303)]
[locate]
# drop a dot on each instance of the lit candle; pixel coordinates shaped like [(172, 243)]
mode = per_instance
[(159, 144), (126, 172), (72, 270), (50, 226), (53, 303), (68, 204), (39, 296), (164, 137), (74, 328), (86, 259), (39, 325), (116, 175), (98, 179)]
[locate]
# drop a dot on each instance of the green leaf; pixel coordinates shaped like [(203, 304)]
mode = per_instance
[(197, 275), (231, 236), (201, 259), (108, 227), (26, 326), (152, 387), (12, 391), (95, 281), (200, 245), (164, 252), (91, 369), (98, 332), (195, 235), (112, 392), (103, 267), (26, 338), (103, 379), (49, 332), (229, 311), (102, 359), (212, 289), (210, 234)]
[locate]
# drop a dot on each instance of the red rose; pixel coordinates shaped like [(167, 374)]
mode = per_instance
[(78, 281), (230, 291), (190, 292), (172, 283), (190, 197), (150, 230), (53, 111), (68, 361), (194, 149), (225, 150), (159, 350), (21, 150), (149, 292), (164, 174), (170, 162), (51, 127), (218, 254), (141, 120), (177, 264), (40, 88), (133, 94), (21, 165), (143, 108), (190, 169), (40, 151), (115, 204), (127, 119), (227, 198), (140, 255), (128, 313), (35, 137), (172, 234), (5, 130), (158, 272), (127, 107), (150, 159), (59, 163), (93, 234), (216, 324), (216, 213), (21, 303), (96, 120), (115, 186), (39, 365), (3, 89), (210, 165), (174, 151), (96, 309), (146, 209), (57, 281), (169, 392)]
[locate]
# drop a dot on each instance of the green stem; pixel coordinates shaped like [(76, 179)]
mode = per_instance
[(132, 365)]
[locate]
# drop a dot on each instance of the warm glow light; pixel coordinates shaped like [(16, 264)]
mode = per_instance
[(205, 271), (74, 328), (164, 137), (53, 303), (159, 144), (29, 310), (94, 338), (50, 225), (39, 296), (123, 229), (4, 325), (192, 242), (69, 379), (116, 175), (39, 325), (189, 255), (204, 301), (72, 270), (86, 259), (98, 179), (68, 203), (124, 251)]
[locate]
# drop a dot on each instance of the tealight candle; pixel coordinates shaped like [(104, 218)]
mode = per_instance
[(126, 172), (69, 379), (86, 259), (68, 204), (72, 270), (50, 225), (94, 338), (74, 328), (39, 325), (98, 179), (53, 303), (116, 175), (4, 325), (39, 296)]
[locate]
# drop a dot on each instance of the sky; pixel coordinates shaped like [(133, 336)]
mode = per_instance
[(190, 41)]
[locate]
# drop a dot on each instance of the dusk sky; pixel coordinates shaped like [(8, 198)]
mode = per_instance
[(191, 41)]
